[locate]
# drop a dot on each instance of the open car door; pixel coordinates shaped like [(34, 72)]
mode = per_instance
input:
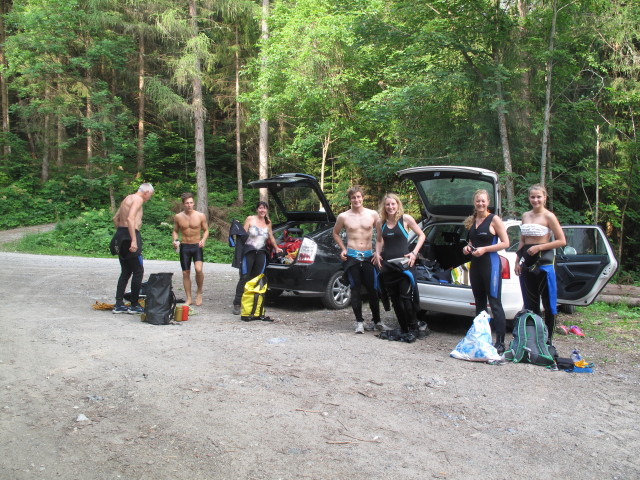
[(447, 191), (585, 265), (297, 197)]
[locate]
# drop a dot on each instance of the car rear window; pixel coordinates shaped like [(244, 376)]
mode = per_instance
[(452, 196), (297, 200)]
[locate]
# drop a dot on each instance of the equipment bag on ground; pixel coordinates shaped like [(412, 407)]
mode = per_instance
[(476, 345), (529, 342), (160, 302), (252, 303)]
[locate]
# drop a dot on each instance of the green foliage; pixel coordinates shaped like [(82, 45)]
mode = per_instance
[(19, 165), (89, 235), (368, 86), (27, 202)]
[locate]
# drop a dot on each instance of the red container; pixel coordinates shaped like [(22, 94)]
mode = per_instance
[(185, 313)]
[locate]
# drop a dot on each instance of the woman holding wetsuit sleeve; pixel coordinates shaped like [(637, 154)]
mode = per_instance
[(396, 260), (487, 236), (535, 259), (254, 258)]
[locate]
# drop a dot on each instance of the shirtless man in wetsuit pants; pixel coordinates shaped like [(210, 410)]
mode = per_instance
[(128, 220), (191, 224), (357, 256)]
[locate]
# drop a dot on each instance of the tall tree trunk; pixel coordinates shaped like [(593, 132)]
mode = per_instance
[(44, 175), (198, 113), (4, 89), (46, 138), (264, 124), (238, 139), (547, 103), (326, 143), (525, 115), (89, 134), (502, 126), (141, 104), (112, 199), (60, 131), (506, 153)]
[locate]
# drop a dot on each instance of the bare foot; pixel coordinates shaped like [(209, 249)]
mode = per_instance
[(188, 302), (198, 299)]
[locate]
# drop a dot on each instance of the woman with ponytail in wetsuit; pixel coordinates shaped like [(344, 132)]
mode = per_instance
[(487, 236)]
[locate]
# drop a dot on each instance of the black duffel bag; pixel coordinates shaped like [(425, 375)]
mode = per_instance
[(160, 302)]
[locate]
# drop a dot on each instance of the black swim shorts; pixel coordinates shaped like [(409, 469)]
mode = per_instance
[(189, 252)]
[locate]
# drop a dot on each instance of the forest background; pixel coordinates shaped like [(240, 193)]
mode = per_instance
[(206, 95)]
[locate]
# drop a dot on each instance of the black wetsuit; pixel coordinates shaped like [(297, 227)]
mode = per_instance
[(359, 271), (485, 276), (131, 266), (398, 280), (190, 252), (538, 282)]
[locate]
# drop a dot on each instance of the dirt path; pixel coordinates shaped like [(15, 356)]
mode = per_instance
[(87, 394), (18, 233)]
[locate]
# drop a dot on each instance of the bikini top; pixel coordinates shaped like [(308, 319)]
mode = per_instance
[(534, 230), (257, 237)]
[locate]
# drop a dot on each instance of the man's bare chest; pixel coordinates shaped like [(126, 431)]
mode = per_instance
[(359, 223), (189, 222)]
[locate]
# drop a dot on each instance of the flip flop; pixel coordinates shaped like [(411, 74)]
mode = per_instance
[(576, 331), (562, 330)]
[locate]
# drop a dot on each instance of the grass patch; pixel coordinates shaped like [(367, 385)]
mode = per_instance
[(44, 244), (616, 326), (89, 236)]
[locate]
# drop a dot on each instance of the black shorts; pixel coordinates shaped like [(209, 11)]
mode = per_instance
[(122, 240), (189, 252)]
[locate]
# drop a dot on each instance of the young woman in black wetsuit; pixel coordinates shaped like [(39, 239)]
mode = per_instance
[(487, 235), (537, 271), (254, 257), (395, 260)]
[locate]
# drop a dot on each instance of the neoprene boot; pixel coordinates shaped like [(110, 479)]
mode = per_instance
[(423, 330), (499, 345)]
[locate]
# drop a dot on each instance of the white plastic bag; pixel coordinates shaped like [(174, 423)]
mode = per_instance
[(476, 346)]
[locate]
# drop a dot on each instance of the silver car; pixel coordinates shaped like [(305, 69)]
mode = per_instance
[(583, 266)]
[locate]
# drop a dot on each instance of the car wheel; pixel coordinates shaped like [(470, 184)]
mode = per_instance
[(337, 294), (273, 293), (570, 309)]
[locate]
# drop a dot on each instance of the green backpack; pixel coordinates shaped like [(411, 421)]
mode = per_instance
[(529, 342)]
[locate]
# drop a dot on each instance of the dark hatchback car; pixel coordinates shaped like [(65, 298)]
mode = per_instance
[(303, 226)]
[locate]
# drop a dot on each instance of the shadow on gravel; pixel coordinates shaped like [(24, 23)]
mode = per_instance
[(289, 302), (443, 323)]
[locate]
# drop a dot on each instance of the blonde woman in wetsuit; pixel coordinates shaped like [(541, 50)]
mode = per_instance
[(396, 261), (254, 258), (487, 236), (535, 259)]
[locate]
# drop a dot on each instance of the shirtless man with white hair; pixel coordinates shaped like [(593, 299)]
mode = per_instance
[(357, 256), (128, 243)]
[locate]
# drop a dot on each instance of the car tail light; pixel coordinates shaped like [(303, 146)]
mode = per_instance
[(307, 252), (504, 264)]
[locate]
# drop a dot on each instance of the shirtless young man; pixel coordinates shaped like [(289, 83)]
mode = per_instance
[(191, 224), (128, 220), (357, 256)]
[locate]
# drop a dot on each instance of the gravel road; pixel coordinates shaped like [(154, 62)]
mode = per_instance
[(86, 394)]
